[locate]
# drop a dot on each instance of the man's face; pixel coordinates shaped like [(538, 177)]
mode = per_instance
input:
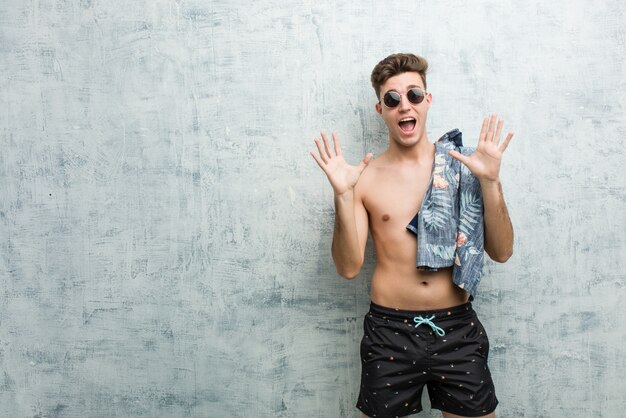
[(406, 121)]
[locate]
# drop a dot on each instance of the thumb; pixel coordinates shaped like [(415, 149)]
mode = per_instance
[(365, 161), (457, 155)]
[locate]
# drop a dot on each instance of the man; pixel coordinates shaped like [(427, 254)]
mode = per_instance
[(421, 328)]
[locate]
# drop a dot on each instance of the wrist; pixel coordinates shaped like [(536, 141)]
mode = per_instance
[(347, 195), (489, 183), (490, 187)]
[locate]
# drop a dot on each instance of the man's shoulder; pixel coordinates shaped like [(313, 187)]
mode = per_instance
[(378, 167), (367, 177), (372, 179)]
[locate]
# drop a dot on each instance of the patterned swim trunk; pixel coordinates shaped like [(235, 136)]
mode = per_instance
[(445, 349)]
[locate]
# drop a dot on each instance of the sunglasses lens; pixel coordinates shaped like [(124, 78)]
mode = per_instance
[(415, 95), (391, 99)]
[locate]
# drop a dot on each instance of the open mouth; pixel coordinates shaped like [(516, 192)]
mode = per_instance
[(407, 125)]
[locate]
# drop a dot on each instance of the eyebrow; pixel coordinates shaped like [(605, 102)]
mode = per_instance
[(409, 87)]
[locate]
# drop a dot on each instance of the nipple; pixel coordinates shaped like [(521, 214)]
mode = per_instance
[(385, 217)]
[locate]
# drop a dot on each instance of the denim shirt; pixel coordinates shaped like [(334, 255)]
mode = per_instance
[(450, 225)]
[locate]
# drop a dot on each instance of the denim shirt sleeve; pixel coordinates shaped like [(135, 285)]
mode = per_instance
[(449, 226)]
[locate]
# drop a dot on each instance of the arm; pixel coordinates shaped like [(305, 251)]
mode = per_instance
[(350, 234), (498, 227), (484, 163), (351, 223)]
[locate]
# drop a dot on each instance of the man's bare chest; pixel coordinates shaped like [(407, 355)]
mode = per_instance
[(394, 200)]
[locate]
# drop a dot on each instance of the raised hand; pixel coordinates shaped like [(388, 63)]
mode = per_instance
[(342, 176), (484, 163)]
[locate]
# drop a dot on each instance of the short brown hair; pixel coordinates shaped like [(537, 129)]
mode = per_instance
[(397, 64)]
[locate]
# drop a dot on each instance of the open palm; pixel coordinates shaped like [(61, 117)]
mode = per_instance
[(342, 176), (484, 163)]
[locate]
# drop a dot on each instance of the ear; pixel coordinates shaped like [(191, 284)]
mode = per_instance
[(429, 98), (379, 108)]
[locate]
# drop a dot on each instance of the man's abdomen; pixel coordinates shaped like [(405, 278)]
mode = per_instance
[(406, 287)]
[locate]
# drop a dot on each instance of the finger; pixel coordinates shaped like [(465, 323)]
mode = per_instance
[(336, 143), (506, 141), (319, 161), (327, 145), (492, 125), (457, 155), (483, 130), (323, 154), (496, 138), (365, 161)]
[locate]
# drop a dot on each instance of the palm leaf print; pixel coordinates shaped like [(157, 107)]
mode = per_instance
[(442, 251), (437, 212), (471, 212), (451, 177)]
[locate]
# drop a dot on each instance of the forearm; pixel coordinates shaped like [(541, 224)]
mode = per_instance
[(498, 227), (346, 249)]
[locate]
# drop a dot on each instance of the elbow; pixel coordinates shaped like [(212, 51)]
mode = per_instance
[(501, 257), (348, 273), (347, 263)]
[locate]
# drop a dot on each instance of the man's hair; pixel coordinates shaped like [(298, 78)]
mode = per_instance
[(397, 64)]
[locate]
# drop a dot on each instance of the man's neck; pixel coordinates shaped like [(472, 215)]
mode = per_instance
[(422, 153)]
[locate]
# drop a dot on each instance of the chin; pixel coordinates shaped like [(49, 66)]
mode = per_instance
[(409, 140)]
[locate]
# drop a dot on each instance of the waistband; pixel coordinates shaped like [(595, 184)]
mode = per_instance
[(453, 312)]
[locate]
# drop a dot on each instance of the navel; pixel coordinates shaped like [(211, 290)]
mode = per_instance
[(385, 217)]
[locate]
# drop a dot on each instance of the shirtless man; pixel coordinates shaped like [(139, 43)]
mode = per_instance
[(403, 348)]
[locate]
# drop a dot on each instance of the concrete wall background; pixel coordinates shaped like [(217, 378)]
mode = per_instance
[(165, 237)]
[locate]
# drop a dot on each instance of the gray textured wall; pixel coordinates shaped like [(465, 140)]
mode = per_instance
[(165, 236)]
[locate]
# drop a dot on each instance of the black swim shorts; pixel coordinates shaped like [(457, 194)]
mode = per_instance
[(446, 350)]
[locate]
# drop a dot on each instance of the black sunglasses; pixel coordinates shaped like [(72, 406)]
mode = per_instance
[(392, 98)]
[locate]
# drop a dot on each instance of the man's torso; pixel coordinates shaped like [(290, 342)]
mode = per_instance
[(392, 194)]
